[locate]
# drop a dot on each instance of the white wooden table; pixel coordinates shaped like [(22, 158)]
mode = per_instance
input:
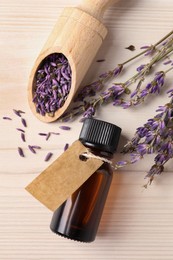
[(137, 224)]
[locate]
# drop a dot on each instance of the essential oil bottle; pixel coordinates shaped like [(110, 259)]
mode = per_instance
[(79, 216)]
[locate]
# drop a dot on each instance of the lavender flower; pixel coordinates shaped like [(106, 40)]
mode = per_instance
[(48, 136), (20, 151), (48, 156), (90, 90), (31, 148), (155, 136), (23, 137), (66, 147), (42, 134), (139, 94), (20, 130), (111, 94), (63, 127), (17, 113), (7, 118), (89, 112), (24, 122)]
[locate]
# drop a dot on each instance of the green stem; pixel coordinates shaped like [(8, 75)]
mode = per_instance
[(143, 52), (166, 71), (160, 55)]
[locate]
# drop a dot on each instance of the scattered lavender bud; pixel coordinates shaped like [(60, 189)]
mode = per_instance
[(24, 122), (167, 62), (48, 136), (42, 134), (31, 149), (66, 147), (36, 147), (145, 47), (17, 113), (21, 112), (7, 118), (48, 156), (65, 127), (23, 137), (20, 130), (20, 151)]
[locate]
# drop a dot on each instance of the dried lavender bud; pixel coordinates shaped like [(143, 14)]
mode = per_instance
[(20, 151), (42, 134), (23, 137), (66, 147), (24, 122), (36, 147), (53, 83), (167, 62), (20, 130), (7, 118), (48, 156), (31, 149), (21, 112), (17, 113), (65, 127), (48, 135)]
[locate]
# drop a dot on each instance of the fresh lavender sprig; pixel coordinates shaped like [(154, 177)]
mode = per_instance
[(88, 105), (155, 136), (90, 90)]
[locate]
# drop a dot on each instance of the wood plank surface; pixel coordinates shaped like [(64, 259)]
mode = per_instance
[(137, 224)]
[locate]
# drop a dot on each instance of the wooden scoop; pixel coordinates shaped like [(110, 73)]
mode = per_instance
[(78, 34)]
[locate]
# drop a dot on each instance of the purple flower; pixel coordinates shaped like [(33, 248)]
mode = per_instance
[(155, 169), (65, 127), (134, 93), (142, 148), (20, 151), (170, 92), (135, 158), (167, 62), (141, 67), (117, 70), (89, 112), (104, 75), (7, 118), (66, 147), (121, 163), (48, 156), (126, 104), (158, 82)]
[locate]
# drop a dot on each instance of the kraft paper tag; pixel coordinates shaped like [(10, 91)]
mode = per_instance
[(64, 176)]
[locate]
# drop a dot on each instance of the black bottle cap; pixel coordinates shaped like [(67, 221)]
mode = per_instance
[(100, 135)]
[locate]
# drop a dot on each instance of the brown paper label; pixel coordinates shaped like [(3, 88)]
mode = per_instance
[(64, 176)]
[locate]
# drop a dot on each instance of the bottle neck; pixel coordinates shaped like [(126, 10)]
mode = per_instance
[(98, 152)]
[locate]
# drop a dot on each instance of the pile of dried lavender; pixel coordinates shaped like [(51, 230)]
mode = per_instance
[(34, 148), (53, 83)]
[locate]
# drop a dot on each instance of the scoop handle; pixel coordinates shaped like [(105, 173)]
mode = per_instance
[(95, 8)]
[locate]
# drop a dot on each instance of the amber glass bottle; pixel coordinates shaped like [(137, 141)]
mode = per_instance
[(79, 216)]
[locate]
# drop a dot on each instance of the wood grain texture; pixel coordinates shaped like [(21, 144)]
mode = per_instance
[(137, 224)]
